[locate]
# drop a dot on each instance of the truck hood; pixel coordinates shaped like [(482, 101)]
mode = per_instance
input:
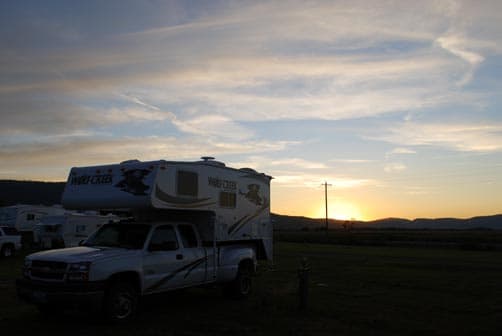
[(81, 253)]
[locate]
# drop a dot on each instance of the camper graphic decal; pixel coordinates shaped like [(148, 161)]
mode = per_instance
[(252, 194), (181, 202), (234, 228), (133, 181)]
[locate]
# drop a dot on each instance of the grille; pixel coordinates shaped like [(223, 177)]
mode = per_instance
[(51, 270)]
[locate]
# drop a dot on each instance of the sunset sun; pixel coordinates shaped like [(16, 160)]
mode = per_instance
[(340, 210)]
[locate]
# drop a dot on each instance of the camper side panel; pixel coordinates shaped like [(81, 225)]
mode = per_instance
[(108, 187), (240, 200)]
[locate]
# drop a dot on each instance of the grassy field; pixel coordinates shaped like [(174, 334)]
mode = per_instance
[(480, 240), (354, 290)]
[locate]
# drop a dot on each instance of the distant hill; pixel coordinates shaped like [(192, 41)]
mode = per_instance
[(48, 193), (30, 192), (481, 222), (294, 223)]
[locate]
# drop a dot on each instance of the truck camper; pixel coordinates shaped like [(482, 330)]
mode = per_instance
[(192, 223), (23, 217), (68, 230)]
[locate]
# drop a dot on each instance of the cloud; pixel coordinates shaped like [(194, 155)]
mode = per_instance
[(399, 151), (213, 71), (213, 126), (457, 45), (297, 172), (299, 179), (351, 160), (53, 156), (394, 167), (298, 163), (327, 61), (473, 137), (139, 102)]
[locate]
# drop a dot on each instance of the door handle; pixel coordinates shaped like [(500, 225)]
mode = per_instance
[(179, 256)]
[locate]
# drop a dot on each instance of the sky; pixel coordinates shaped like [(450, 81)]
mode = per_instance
[(395, 104)]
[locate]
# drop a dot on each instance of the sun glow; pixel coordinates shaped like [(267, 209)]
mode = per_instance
[(340, 210)]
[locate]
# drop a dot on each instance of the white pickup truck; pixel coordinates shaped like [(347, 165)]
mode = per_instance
[(194, 223), (10, 241), (122, 262)]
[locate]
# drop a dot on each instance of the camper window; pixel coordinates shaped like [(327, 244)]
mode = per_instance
[(30, 217), (187, 183), (188, 236), (227, 200)]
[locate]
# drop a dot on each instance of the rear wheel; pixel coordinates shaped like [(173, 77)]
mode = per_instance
[(241, 286), (121, 302)]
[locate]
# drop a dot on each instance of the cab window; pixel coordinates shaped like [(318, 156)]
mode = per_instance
[(164, 239), (188, 236)]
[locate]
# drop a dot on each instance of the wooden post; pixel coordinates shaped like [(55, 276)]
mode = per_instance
[(303, 284)]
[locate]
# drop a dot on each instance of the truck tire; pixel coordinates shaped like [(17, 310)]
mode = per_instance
[(7, 251), (121, 302), (240, 287)]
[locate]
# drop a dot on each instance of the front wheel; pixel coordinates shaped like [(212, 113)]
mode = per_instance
[(121, 302), (49, 311)]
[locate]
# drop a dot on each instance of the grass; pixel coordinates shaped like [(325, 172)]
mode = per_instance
[(354, 290)]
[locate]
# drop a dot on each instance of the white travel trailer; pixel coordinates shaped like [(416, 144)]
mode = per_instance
[(23, 217), (194, 223), (68, 230)]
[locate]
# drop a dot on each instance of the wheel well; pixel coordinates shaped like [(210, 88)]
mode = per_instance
[(130, 277), (249, 264)]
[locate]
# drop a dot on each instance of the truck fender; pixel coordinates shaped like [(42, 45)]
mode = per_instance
[(231, 257)]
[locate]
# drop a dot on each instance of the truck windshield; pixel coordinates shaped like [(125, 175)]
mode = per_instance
[(130, 236)]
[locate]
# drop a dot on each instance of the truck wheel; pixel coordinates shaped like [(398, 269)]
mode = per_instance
[(7, 251), (240, 287), (121, 302)]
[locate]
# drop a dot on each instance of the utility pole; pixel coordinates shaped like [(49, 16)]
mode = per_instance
[(325, 184)]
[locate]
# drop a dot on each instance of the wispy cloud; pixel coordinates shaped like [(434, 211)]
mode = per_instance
[(394, 167), (299, 179), (138, 101), (399, 151), (298, 163), (243, 66), (471, 137), (55, 156), (457, 46), (351, 160)]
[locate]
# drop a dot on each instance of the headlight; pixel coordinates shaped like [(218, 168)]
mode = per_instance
[(79, 271)]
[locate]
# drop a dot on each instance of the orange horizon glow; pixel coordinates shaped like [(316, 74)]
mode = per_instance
[(340, 210)]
